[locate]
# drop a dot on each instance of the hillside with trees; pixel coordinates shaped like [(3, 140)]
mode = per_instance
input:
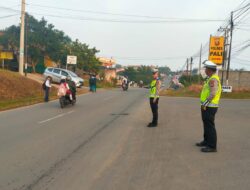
[(44, 40)]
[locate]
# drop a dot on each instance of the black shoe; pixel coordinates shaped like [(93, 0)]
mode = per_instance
[(152, 125), (201, 144), (149, 124), (208, 149)]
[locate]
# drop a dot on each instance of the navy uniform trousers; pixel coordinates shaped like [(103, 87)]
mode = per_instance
[(210, 135), (154, 108)]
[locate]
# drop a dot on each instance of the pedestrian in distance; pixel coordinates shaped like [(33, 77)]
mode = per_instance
[(91, 83), (46, 88), (210, 98), (94, 83), (154, 98)]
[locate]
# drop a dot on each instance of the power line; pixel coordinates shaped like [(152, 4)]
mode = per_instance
[(146, 58), (240, 9), (9, 9), (168, 20), (128, 21), (246, 64), (243, 60), (125, 15), (239, 15), (241, 44), (7, 16)]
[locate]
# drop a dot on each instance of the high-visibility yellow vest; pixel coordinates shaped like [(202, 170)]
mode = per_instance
[(153, 89), (206, 92)]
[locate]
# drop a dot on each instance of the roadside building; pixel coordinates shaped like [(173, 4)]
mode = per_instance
[(108, 67)]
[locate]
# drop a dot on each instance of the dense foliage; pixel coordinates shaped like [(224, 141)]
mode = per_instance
[(189, 80), (43, 40), (143, 73)]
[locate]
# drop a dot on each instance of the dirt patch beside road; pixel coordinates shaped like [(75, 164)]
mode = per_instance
[(17, 91)]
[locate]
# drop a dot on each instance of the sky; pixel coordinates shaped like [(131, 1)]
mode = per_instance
[(141, 35)]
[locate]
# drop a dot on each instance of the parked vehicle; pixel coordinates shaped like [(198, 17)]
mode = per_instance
[(56, 75)]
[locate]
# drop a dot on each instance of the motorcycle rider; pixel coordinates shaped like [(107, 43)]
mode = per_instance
[(72, 87), (125, 83), (66, 86)]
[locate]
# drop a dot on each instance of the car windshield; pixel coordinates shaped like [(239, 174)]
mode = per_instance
[(72, 74)]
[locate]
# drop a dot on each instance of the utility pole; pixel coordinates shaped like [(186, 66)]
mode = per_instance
[(225, 52), (230, 47), (26, 46), (21, 50), (199, 70), (224, 55), (187, 66), (191, 64)]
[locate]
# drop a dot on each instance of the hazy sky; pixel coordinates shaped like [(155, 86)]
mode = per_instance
[(141, 43)]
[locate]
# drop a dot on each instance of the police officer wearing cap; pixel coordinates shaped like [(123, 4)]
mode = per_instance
[(154, 98), (210, 97)]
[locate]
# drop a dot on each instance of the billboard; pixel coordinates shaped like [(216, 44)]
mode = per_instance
[(6, 55), (216, 49)]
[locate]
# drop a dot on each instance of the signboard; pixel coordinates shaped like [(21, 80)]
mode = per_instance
[(216, 49), (71, 59), (6, 55), (227, 88)]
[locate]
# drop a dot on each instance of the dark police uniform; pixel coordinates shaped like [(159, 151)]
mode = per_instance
[(210, 97), (154, 95)]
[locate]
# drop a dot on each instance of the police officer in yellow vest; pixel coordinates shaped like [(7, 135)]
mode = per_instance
[(210, 97), (154, 98)]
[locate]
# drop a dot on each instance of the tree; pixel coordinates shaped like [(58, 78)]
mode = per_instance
[(166, 70), (86, 58), (44, 40), (143, 73)]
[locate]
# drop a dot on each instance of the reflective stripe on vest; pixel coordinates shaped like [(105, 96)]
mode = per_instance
[(206, 92), (153, 89)]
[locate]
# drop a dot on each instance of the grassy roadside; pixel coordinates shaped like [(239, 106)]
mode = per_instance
[(17, 91), (21, 102), (194, 91)]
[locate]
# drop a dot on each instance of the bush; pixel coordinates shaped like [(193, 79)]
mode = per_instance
[(189, 80)]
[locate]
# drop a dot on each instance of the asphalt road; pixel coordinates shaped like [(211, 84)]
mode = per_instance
[(102, 144)]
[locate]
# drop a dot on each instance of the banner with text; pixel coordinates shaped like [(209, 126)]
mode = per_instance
[(6, 55), (216, 49), (71, 59)]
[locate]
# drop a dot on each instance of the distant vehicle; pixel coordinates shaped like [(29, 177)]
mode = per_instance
[(56, 75), (125, 86)]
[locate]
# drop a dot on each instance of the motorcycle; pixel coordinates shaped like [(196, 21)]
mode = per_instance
[(125, 87), (65, 100)]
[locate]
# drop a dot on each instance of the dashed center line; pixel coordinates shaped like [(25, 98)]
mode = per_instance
[(56, 117)]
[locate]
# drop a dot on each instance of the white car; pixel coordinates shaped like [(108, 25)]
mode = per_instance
[(57, 74)]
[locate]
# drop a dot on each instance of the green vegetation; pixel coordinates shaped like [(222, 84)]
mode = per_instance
[(17, 91), (143, 73), (193, 87), (194, 91), (189, 80), (165, 70), (43, 40)]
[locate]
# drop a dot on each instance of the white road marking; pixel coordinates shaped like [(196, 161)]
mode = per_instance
[(107, 98), (56, 117)]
